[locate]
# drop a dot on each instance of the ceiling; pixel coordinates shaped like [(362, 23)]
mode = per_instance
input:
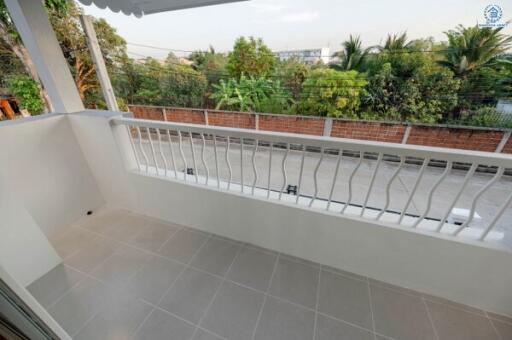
[(141, 7)]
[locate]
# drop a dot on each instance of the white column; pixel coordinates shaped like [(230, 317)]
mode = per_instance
[(99, 63), (32, 23)]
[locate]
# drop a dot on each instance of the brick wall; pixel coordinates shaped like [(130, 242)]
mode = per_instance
[(508, 146), (440, 136), (147, 112), (292, 124), (457, 138), (184, 116), (381, 132), (232, 119)]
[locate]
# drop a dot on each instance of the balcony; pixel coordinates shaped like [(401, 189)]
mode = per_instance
[(122, 228)]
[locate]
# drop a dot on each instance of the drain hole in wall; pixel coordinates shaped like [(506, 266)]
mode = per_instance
[(89, 212)]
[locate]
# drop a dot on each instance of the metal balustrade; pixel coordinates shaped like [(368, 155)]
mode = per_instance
[(362, 179)]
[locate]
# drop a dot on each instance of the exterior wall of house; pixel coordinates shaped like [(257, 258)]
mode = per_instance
[(466, 138)]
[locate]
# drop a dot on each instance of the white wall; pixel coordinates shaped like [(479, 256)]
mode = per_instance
[(45, 185), (475, 274)]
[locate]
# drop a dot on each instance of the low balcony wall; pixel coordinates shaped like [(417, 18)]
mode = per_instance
[(465, 138)]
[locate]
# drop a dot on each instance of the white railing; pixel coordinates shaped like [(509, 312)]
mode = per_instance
[(412, 186)]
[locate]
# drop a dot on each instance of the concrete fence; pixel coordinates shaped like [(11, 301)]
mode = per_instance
[(457, 137)]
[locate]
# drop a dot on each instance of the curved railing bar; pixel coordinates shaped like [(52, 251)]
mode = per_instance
[(161, 151), (470, 174), (431, 193), (172, 154), (182, 154), (153, 153), (414, 189), (372, 181), (496, 177), (283, 170), (388, 187), (226, 156), (315, 176), (203, 160), (254, 169), (142, 150), (351, 177), (335, 177)]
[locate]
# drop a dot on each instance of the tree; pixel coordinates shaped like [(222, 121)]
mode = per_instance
[(472, 47), (252, 94), (395, 43), (11, 39), (332, 93), (250, 57), (292, 72), (353, 56), (211, 64), (73, 42)]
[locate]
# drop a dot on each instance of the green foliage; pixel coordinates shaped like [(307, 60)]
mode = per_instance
[(26, 92), (331, 93), (154, 83), (252, 94), (250, 57), (292, 72), (484, 116), (353, 56), (472, 47)]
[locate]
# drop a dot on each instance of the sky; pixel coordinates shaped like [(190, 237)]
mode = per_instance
[(294, 24)]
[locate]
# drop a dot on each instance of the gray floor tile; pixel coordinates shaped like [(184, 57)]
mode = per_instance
[(153, 236), (345, 298), (54, 284), (453, 304), (400, 316), (216, 256), (121, 266), (330, 329), (285, 321), (504, 329), (103, 220), (500, 317), (154, 278), (183, 245), (455, 324), (91, 255), (234, 312), (118, 318), (296, 282), (162, 326), (72, 241), (127, 228), (191, 294), (253, 268), (202, 335), (79, 305)]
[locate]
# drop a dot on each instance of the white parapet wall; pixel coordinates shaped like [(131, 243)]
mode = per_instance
[(469, 272), (45, 185)]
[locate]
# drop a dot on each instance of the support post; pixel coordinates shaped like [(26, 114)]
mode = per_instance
[(99, 63), (503, 142), (31, 21), (407, 132), (327, 127)]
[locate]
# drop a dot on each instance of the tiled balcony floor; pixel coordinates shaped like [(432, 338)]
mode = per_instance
[(131, 277)]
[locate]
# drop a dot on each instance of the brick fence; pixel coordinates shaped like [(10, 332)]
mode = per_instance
[(467, 138)]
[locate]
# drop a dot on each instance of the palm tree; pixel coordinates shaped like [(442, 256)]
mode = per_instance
[(353, 56), (472, 47), (395, 43)]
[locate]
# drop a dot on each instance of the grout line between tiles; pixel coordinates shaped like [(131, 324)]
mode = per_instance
[(258, 319), (371, 308), (317, 302), (493, 326), (172, 285), (430, 317), (206, 310)]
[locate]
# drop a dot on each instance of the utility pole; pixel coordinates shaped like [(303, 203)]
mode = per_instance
[(99, 63)]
